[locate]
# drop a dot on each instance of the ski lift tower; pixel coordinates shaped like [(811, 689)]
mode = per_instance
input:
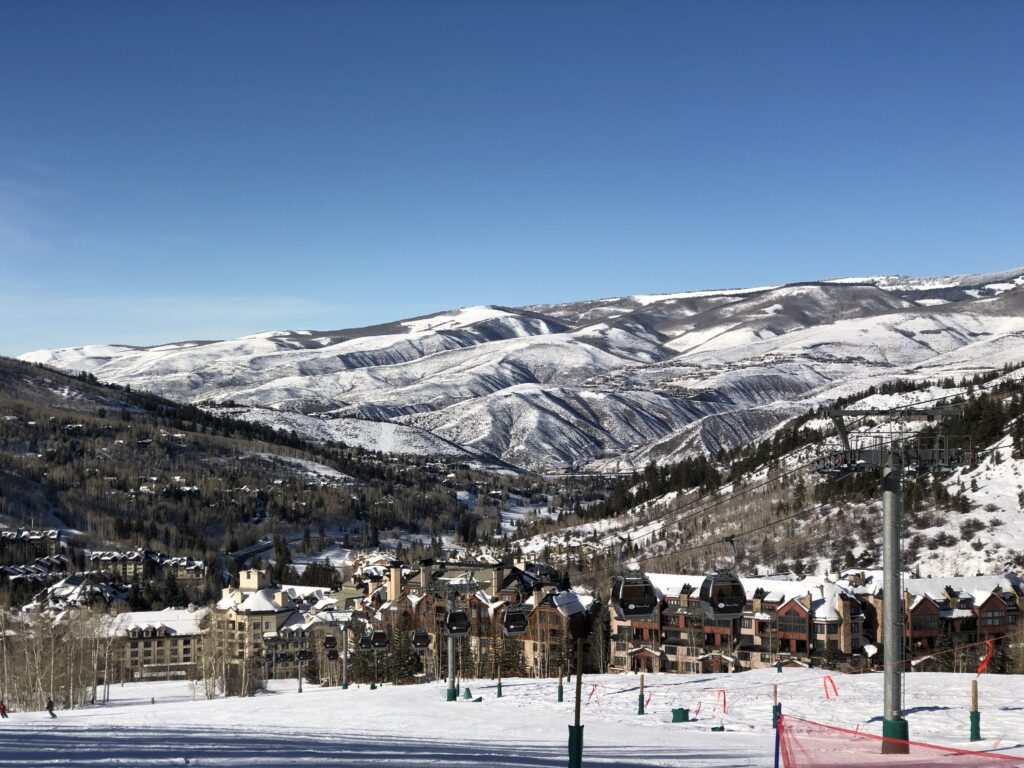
[(456, 619), (894, 455)]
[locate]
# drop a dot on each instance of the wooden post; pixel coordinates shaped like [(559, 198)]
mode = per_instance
[(640, 706), (561, 691)]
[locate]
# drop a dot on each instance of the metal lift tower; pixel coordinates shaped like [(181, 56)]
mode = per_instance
[(894, 456)]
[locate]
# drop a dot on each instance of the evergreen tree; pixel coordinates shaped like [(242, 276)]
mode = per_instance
[(400, 660)]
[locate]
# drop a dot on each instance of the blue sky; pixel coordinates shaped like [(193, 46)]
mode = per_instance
[(205, 170)]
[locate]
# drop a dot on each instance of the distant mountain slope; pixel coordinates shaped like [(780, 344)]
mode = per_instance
[(602, 384), (128, 468)]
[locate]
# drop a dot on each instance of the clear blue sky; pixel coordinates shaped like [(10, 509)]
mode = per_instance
[(203, 170)]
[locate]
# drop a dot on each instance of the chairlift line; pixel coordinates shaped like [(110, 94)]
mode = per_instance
[(722, 594), (738, 534), (687, 514)]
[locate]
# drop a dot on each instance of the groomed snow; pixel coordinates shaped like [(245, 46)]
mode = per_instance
[(413, 725)]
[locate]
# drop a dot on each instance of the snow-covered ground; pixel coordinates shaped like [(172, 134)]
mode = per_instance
[(414, 726), (335, 555)]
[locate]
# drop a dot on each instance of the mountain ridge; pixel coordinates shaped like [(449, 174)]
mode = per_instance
[(601, 384)]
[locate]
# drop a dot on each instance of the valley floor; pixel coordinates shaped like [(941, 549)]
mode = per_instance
[(414, 726)]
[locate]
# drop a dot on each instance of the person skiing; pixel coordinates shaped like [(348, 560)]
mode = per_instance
[(3, 709), (49, 707)]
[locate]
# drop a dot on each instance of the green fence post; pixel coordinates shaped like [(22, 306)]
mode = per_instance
[(975, 714), (575, 746)]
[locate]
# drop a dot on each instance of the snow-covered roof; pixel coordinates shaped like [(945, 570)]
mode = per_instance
[(492, 605), (780, 589), (78, 589), (643, 649), (175, 621), (22, 534), (299, 592), (260, 601), (978, 588)]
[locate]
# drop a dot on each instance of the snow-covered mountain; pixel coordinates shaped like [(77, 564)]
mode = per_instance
[(605, 384)]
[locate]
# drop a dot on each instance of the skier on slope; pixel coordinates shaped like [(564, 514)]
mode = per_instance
[(49, 707)]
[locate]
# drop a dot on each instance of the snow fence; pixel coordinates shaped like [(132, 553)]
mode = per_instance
[(806, 744)]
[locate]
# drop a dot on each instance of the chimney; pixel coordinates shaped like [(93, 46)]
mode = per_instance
[(807, 601), (845, 633), (424, 578), (538, 595), (394, 583), (497, 576)]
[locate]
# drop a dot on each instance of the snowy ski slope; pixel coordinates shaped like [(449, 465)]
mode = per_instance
[(413, 726)]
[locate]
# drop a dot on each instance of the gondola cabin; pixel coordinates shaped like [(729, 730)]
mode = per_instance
[(456, 623), (364, 643), (635, 598), (379, 640), (330, 641), (420, 640), (304, 655), (513, 623), (722, 596), (332, 654)]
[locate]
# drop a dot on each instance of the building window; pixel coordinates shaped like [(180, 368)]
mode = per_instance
[(925, 622), (792, 622), (748, 623), (992, 618)]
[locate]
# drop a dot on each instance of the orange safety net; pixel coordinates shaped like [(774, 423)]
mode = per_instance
[(804, 744)]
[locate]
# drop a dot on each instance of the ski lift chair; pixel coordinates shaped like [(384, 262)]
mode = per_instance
[(635, 598), (514, 622), (456, 623), (420, 640)]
